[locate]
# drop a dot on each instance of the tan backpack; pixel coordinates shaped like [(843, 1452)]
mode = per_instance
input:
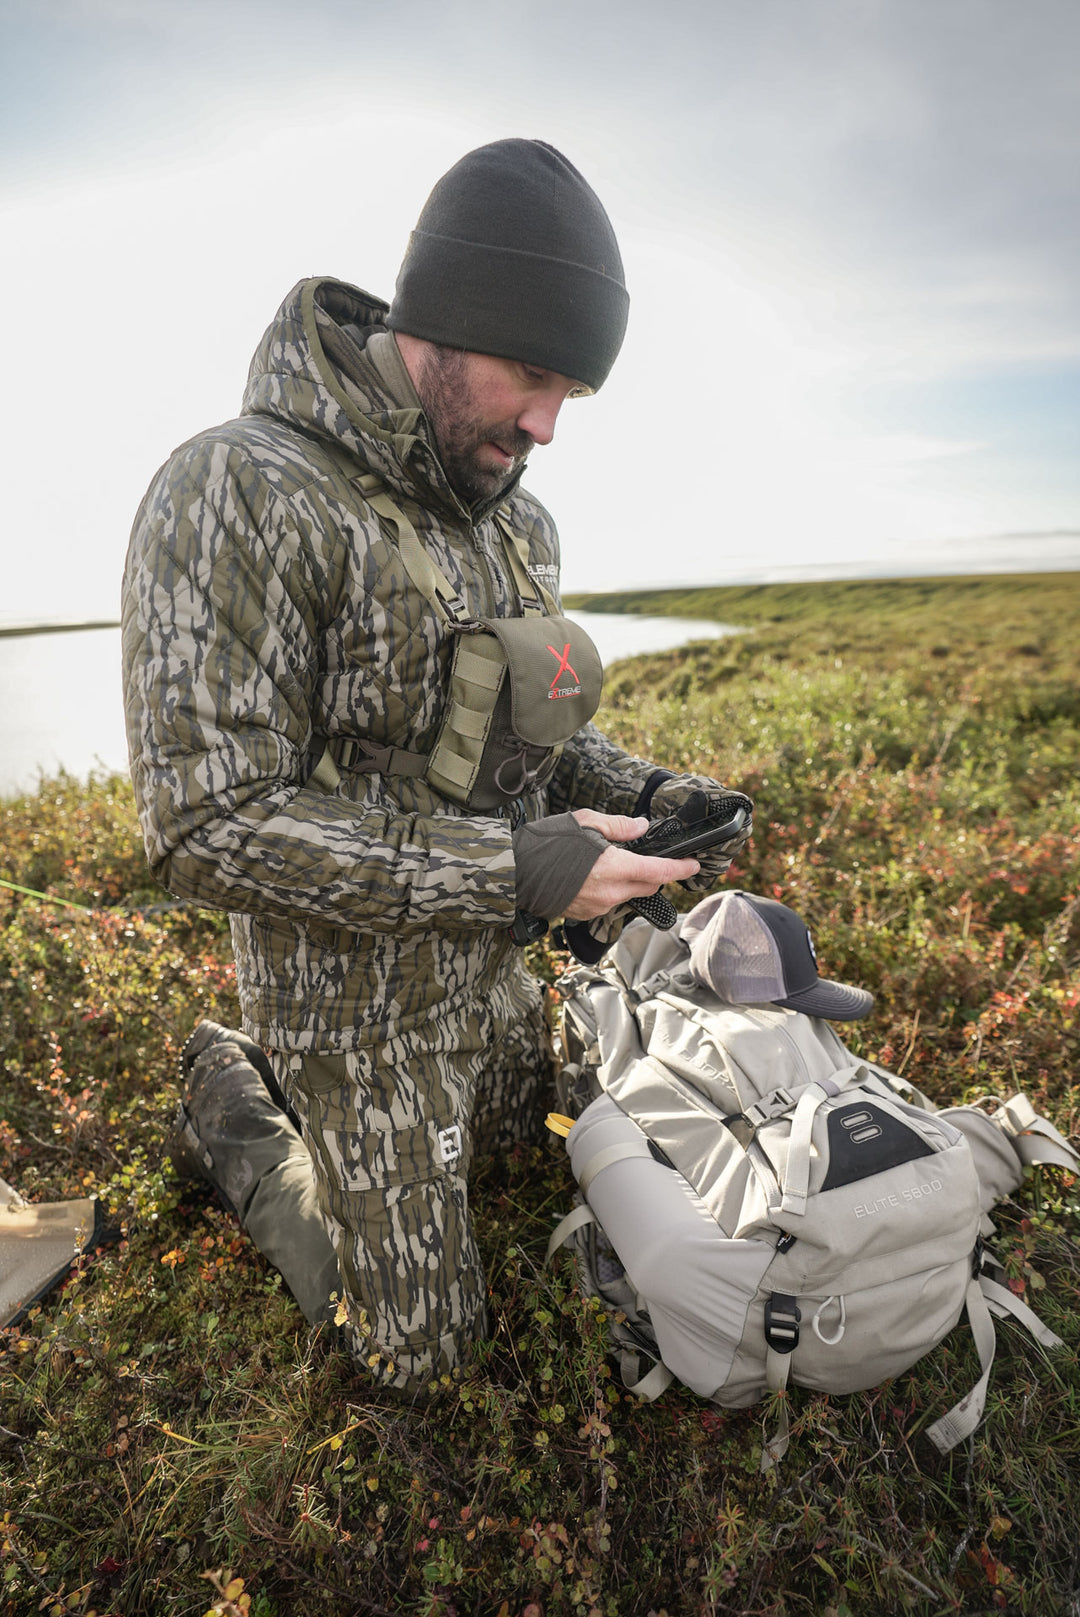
[(758, 1207)]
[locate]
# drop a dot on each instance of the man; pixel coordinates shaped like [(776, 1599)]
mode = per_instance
[(300, 598)]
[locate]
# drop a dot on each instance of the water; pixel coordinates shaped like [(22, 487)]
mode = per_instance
[(619, 634), (61, 705)]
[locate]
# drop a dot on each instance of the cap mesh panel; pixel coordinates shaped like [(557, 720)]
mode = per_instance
[(736, 955)]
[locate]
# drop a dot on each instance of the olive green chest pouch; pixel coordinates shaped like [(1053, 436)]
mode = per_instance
[(520, 687)]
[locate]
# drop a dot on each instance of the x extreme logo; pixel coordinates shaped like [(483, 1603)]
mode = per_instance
[(563, 660)]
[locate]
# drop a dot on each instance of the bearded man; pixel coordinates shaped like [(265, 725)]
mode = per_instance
[(338, 611)]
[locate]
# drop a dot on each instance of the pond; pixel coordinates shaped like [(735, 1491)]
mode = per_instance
[(61, 704)]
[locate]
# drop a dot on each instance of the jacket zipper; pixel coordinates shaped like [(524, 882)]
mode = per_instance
[(490, 570)]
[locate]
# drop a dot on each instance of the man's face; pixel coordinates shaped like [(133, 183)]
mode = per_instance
[(486, 414)]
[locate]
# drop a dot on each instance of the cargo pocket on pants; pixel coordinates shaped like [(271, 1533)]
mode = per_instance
[(398, 1199)]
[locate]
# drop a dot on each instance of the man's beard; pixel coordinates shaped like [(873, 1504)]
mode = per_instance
[(443, 389)]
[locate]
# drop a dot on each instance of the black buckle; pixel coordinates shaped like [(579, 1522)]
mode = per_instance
[(527, 928), (782, 1319)]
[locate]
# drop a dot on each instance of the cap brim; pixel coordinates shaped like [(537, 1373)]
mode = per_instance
[(836, 1002)]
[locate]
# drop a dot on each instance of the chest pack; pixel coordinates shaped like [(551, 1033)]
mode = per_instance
[(520, 687), (758, 1208)]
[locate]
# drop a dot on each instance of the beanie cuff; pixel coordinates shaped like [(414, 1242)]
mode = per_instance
[(551, 313)]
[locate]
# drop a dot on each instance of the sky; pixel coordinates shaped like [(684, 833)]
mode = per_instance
[(850, 230)]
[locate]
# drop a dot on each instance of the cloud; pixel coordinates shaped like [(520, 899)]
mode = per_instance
[(848, 225)]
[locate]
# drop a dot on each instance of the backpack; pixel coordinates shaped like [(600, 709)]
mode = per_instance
[(757, 1206)]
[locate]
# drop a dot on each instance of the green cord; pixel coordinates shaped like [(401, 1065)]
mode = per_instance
[(47, 898)]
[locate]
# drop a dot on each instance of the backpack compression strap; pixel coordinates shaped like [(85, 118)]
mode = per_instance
[(804, 1105), (659, 1378), (782, 1321), (1033, 1138), (985, 1297)]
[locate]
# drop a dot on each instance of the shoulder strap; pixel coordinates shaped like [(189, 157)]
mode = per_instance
[(533, 596), (576, 1219), (427, 578), (443, 599)]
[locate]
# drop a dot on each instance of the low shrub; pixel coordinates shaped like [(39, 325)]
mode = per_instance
[(173, 1439)]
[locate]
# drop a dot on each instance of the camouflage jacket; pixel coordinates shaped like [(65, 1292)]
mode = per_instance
[(265, 612)]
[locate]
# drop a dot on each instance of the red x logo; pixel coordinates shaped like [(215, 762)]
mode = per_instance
[(564, 663)]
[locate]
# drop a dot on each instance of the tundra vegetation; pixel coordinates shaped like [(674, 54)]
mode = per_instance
[(172, 1440)]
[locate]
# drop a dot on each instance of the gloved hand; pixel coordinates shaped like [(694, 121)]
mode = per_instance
[(571, 864), (675, 794), (689, 799), (552, 857)]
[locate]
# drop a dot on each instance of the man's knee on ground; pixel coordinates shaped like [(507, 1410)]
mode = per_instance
[(404, 1364)]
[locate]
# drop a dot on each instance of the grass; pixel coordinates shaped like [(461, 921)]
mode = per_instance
[(171, 1439)]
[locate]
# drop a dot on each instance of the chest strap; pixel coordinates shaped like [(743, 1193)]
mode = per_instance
[(355, 756)]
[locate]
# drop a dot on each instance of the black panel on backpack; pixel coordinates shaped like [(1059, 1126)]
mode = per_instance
[(863, 1140)]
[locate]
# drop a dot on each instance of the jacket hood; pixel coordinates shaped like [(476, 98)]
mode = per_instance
[(294, 379)]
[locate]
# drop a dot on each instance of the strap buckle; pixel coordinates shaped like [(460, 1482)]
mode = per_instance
[(360, 757), (774, 1104), (782, 1319)]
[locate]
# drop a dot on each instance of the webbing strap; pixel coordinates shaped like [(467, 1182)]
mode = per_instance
[(531, 593), (1002, 1301), (962, 1419), (440, 595), (443, 599), (775, 1104), (326, 774), (1035, 1139), (651, 1385), (363, 757), (773, 1449), (608, 1157), (576, 1219), (478, 670), (466, 721), (458, 771), (797, 1172), (659, 1378)]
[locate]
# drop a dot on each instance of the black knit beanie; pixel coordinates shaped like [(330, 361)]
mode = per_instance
[(514, 255)]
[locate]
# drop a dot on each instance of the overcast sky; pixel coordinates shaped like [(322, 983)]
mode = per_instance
[(850, 232)]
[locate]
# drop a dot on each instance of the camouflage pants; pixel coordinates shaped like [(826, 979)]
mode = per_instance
[(392, 1129)]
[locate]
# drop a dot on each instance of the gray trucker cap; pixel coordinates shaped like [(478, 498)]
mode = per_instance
[(755, 951)]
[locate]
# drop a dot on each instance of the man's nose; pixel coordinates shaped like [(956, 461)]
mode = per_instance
[(539, 416)]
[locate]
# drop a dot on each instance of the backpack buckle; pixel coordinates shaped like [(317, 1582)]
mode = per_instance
[(774, 1104), (782, 1317)]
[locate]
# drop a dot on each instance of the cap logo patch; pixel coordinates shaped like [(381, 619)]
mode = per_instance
[(810, 944)]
